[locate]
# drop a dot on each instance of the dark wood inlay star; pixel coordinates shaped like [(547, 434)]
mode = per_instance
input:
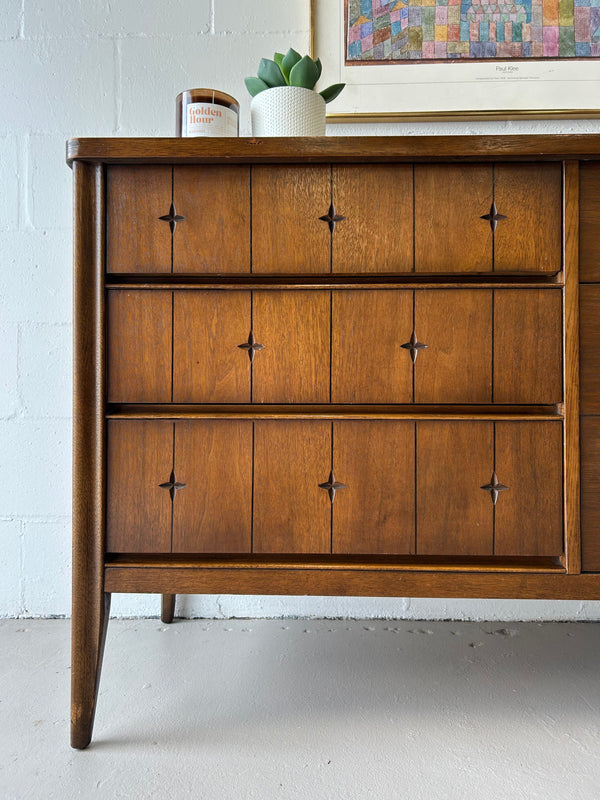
[(331, 486), (331, 218), (494, 488), (172, 218), (414, 345), (172, 485), (493, 217), (251, 346)]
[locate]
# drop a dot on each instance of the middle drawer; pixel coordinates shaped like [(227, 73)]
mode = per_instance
[(458, 346)]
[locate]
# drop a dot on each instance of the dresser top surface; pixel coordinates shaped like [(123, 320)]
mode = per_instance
[(326, 148)]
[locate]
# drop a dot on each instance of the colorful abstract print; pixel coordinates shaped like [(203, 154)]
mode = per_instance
[(416, 30)]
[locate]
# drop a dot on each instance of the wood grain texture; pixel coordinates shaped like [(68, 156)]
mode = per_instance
[(456, 326), (571, 370), (450, 235), (368, 363), (374, 582), (454, 516), (139, 459), (215, 235), (589, 221), (529, 516), (90, 602), (294, 327), (324, 149), (530, 238), (371, 239), (213, 514), (291, 513), (590, 494), (208, 365), (589, 352), (376, 513), (528, 346), (137, 240), (287, 234), (139, 346)]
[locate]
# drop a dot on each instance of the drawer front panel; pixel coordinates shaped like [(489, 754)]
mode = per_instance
[(530, 197), (430, 488), (589, 349), (456, 366), (139, 344), (369, 364), (294, 328), (213, 513), (450, 235), (457, 346), (319, 219), (288, 235), (164, 219), (589, 221), (375, 512), (376, 234), (528, 346), (209, 366), (454, 517), (291, 513), (489, 488), (137, 240), (179, 487), (139, 460), (590, 494)]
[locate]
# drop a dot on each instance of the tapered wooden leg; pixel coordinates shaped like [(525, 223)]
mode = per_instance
[(88, 636), (90, 603), (168, 607)]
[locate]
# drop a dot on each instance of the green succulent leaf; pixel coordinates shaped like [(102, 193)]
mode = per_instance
[(278, 59), (319, 66), (305, 73), (290, 60), (269, 72), (255, 85), (332, 92)]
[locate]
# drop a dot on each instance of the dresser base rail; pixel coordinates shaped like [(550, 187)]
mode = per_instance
[(547, 580)]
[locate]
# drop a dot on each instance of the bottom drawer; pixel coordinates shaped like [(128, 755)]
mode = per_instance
[(398, 487), (590, 494)]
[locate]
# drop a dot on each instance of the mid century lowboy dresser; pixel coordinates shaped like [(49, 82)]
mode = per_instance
[(333, 366)]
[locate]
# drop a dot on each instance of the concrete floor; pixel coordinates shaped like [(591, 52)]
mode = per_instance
[(229, 710)]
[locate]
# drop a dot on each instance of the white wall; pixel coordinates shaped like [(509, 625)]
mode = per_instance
[(114, 68)]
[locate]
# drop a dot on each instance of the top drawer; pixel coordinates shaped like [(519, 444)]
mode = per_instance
[(340, 218)]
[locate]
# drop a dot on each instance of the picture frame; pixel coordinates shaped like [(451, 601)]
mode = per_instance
[(524, 88)]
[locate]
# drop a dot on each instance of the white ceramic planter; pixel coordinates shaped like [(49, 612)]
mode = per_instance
[(288, 111)]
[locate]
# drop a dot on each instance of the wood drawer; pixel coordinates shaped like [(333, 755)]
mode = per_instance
[(339, 218), (590, 494), (343, 346), (342, 486)]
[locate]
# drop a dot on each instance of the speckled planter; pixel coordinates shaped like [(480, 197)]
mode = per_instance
[(288, 111)]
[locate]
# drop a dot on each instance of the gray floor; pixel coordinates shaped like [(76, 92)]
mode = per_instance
[(307, 709)]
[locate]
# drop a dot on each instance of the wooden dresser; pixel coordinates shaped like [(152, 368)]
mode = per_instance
[(333, 366)]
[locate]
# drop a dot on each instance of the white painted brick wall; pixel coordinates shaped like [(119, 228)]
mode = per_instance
[(100, 68)]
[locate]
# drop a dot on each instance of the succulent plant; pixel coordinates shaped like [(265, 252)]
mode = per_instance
[(290, 69)]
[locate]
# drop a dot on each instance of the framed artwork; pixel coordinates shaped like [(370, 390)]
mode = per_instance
[(459, 59)]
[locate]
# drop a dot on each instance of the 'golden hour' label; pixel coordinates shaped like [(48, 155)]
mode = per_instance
[(209, 119)]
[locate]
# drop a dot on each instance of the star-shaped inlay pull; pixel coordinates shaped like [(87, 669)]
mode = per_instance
[(494, 488), (172, 218), (493, 217), (331, 486), (251, 346), (414, 345), (172, 485), (331, 218)]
